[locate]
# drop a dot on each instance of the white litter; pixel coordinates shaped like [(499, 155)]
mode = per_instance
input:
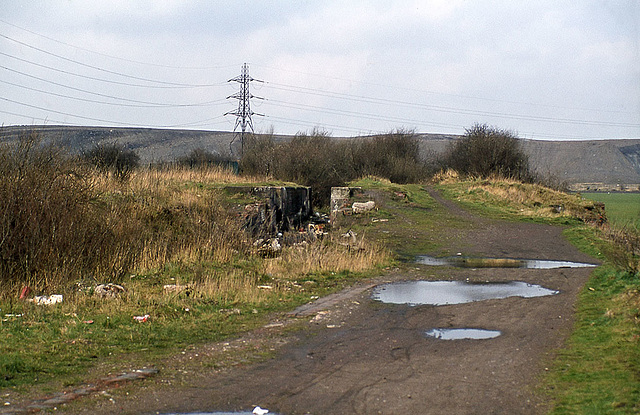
[(260, 411), (46, 299)]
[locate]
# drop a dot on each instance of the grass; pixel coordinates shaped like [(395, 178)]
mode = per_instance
[(514, 200), (189, 234), (403, 209), (623, 209)]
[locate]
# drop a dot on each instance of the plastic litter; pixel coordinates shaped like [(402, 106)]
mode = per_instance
[(142, 319), (46, 299), (25, 293), (260, 411)]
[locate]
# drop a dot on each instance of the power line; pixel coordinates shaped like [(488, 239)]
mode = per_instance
[(412, 89), (362, 98), (110, 81), (120, 58), (100, 94), (119, 104), (97, 68)]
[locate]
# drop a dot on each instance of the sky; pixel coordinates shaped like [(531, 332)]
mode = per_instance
[(544, 69)]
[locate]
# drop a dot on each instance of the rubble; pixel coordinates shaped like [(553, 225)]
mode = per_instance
[(109, 290)]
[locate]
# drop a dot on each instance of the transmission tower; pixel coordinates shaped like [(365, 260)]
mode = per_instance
[(243, 113)]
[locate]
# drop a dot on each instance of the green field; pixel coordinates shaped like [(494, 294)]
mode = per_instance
[(621, 208)]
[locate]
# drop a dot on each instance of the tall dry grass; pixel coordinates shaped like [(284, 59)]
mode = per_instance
[(297, 261)]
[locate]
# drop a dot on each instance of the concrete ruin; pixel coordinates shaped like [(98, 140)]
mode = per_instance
[(277, 208)]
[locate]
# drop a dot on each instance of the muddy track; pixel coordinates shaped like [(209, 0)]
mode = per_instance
[(359, 356)]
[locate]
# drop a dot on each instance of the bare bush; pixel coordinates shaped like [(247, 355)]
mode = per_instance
[(51, 231), (486, 151), (200, 157), (113, 159), (319, 161)]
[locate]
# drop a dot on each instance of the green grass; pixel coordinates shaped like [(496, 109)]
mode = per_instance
[(406, 207), (622, 208), (58, 343), (598, 372)]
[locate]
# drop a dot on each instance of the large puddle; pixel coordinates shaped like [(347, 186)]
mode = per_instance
[(466, 262), (454, 292), (462, 334)]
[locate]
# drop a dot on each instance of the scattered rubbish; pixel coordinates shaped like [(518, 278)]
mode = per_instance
[(268, 247), (25, 293), (46, 299), (265, 287), (375, 220), (142, 319), (319, 316), (466, 262), (349, 238), (231, 311), (175, 288), (362, 207), (462, 334), (415, 293), (88, 322), (260, 411), (109, 290)]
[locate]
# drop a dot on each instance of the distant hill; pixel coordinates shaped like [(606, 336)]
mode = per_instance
[(605, 162)]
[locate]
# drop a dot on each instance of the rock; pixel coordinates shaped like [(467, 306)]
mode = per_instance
[(361, 207)]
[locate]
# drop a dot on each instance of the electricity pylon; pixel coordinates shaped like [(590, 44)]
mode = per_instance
[(243, 113)]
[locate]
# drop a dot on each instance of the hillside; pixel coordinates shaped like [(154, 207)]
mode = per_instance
[(602, 164)]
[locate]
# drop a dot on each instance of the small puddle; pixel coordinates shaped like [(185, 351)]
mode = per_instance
[(454, 292), (465, 262), (462, 334)]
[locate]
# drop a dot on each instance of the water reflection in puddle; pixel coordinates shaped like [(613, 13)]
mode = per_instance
[(453, 292), (464, 262), (462, 334)]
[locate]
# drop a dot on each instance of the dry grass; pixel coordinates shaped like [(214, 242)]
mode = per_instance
[(525, 199), (301, 260)]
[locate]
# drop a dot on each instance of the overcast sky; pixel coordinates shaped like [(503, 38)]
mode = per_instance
[(546, 69)]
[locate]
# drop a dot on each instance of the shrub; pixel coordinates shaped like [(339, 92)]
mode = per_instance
[(321, 162), (200, 157), (113, 159), (487, 151), (51, 231)]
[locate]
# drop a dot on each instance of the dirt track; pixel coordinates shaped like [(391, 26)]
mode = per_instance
[(358, 356)]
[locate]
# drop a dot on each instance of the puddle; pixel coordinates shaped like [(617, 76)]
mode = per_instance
[(462, 334), (453, 292), (465, 262)]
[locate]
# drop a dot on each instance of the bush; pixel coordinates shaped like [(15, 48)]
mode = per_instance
[(322, 162), (113, 159), (200, 157), (486, 151), (51, 230)]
